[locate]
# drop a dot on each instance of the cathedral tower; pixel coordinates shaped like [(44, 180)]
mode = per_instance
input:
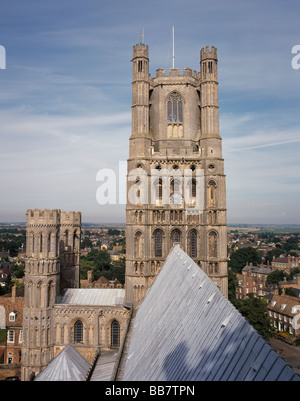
[(175, 181), (51, 263)]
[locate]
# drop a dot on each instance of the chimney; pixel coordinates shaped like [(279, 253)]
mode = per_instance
[(13, 293), (90, 276)]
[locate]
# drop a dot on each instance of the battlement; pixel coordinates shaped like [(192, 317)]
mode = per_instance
[(140, 50), (55, 216), (174, 72), (73, 218), (208, 54), (43, 216)]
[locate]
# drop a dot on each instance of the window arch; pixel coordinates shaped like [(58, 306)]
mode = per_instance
[(176, 236), (212, 244), (78, 331), (158, 242), (212, 193), (175, 114), (193, 244), (138, 245), (115, 334), (41, 242)]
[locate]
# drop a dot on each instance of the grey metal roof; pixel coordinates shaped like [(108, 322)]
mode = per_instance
[(185, 329), (68, 365), (93, 296), (257, 269)]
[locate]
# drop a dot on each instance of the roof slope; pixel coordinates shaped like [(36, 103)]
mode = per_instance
[(185, 329), (68, 365), (93, 296)]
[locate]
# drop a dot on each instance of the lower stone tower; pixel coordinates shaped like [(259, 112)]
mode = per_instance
[(51, 264)]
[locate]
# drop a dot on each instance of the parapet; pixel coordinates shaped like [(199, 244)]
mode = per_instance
[(52, 217), (174, 72), (43, 216), (208, 54), (73, 218), (140, 50)]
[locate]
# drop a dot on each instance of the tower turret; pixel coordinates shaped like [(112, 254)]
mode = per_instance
[(209, 93), (140, 141), (51, 263)]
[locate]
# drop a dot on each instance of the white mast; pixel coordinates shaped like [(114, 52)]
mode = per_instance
[(173, 49)]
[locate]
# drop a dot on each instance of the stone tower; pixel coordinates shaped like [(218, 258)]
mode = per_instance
[(175, 182), (51, 264)]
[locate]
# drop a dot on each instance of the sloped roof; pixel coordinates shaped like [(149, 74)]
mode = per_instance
[(93, 296), (69, 365), (185, 329)]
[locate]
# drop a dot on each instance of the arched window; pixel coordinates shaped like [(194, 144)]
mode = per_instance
[(41, 242), (212, 243), (78, 332), (158, 244), (193, 244), (66, 238), (115, 334), (212, 193), (138, 245), (175, 114), (176, 237), (158, 189)]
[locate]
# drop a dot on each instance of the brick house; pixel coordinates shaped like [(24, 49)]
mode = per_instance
[(11, 322), (252, 281)]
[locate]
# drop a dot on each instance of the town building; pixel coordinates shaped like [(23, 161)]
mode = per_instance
[(252, 281), (285, 263), (283, 310), (11, 331)]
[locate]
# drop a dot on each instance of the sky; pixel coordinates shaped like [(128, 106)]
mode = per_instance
[(65, 99)]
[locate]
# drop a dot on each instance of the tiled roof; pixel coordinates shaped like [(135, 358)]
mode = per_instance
[(284, 304), (185, 329)]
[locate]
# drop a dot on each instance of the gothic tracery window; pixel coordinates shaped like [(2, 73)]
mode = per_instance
[(175, 108), (175, 115)]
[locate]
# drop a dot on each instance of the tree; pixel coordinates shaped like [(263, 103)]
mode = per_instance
[(291, 243), (255, 311), (101, 261), (232, 286), (85, 266), (275, 276), (241, 257)]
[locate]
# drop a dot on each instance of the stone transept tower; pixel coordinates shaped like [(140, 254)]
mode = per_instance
[(51, 264), (175, 182)]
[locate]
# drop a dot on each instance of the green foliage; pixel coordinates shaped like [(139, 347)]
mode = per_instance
[(100, 263), (255, 311), (290, 291), (3, 335), (291, 243), (241, 257), (275, 276), (86, 243)]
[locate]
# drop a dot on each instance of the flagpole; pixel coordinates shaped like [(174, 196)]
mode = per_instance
[(173, 49)]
